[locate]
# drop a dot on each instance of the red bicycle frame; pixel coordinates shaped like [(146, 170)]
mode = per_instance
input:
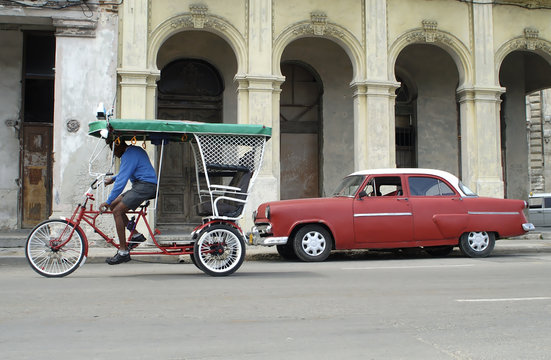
[(89, 215)]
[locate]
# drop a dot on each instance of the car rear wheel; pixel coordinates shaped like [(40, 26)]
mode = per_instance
[(477, 244), (312, 243)]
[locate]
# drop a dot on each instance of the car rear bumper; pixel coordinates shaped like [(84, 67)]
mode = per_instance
[(528, 227), (260, 237)]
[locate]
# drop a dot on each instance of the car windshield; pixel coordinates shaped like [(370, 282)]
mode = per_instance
[(349, 186), (466, 190)]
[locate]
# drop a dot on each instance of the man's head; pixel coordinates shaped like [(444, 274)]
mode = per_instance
[(120, 146)]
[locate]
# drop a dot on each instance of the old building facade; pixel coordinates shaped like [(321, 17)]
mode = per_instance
[(58, 59), (345, 85)]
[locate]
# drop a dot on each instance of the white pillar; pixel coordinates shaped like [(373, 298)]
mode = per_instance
[(480, 140), (479, 107), (137, 82), (374, 133), (258, 101)]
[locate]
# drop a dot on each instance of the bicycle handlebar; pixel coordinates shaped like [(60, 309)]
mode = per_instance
[(93, 186)]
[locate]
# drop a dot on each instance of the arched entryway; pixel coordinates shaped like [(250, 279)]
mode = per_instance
[(196, 83), (316, 117), (521, 73), (427, 115), (405, 111), (300, 125), (189, 89)]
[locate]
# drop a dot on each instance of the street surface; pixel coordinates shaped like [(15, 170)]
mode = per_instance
[(351, 307)]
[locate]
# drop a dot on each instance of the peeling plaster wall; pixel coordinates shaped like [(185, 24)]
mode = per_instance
[(85, 76), (11, 43)]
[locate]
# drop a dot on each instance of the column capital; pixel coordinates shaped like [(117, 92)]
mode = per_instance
[(259, 82), (478, 93), (374, 88), (138, 77)]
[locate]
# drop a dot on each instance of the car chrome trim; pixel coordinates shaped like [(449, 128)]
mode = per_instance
[(383, 214), (528, 227), (492, 213)]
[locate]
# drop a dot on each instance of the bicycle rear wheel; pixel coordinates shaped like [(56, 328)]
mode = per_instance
[(45, 258), (220, 250)]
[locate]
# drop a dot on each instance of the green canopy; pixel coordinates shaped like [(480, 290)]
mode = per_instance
[(171, 129)]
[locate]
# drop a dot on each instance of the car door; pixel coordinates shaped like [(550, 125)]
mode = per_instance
[(536, 210), (547, 211), (438, 210), (382, 214)]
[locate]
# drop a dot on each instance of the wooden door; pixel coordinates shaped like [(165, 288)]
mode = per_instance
[(189, 89), (36, 136), (36, 171)]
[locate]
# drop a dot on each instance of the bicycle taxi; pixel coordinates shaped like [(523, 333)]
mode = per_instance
[(227, 158)]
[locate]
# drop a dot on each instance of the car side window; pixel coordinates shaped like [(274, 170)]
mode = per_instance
[(384, 186), (428, 186), (535, 203), (548, 202)]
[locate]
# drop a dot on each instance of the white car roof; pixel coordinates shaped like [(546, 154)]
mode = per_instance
[(452, 179), (540, 195)]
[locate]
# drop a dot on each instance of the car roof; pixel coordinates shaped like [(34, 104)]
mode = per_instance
[(452, 179), (540, 195)]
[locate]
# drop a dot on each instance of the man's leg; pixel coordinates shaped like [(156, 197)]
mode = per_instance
[(114, 205), (121, 220)]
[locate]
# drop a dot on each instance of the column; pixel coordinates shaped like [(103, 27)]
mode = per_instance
[(374, 137), (374, 133), (480, 140), (479, 108), (137, 82), (258, 101)]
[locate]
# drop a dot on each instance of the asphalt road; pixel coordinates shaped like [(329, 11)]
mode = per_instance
[(350, 307)]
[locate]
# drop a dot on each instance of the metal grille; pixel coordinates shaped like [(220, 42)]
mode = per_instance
[(230, 151), (232, 161)]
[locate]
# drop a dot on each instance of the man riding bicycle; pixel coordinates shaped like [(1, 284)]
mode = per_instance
[(136, 167)]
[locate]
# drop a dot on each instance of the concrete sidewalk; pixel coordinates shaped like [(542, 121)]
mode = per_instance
[(12, 244)]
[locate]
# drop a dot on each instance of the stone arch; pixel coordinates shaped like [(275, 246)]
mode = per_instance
[(446, 41), (210, 23), (532, 44), (333, 32)]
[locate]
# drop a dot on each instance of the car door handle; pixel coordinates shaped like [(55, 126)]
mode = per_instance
[(402, 199)]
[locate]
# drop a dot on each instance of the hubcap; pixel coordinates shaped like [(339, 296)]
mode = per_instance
[(479, 241), (313, 243)]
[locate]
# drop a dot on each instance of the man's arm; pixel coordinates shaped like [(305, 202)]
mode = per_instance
[(127, 167)]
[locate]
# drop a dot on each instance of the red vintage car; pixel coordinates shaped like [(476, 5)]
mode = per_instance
[(390, 209)]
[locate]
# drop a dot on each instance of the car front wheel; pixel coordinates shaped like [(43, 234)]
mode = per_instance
[(477, 244), (312, 243)]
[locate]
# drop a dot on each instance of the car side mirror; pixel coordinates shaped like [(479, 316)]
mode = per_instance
[(362, 194)]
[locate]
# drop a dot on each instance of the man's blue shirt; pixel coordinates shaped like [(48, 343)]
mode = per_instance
[(135, 166)]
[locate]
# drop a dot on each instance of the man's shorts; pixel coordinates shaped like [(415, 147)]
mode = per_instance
[(140, 192)]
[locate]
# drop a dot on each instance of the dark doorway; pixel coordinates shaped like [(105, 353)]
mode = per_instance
[(405, 118), (189, 89), (36, 131), (300, 119)]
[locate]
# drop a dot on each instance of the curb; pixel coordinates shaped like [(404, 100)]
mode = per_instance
[(12, 245)]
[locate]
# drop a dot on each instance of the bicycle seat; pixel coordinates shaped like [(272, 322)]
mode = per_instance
[(144, 205)]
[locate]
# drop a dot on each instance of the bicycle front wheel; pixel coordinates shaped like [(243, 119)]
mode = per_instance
[(43, 253)]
